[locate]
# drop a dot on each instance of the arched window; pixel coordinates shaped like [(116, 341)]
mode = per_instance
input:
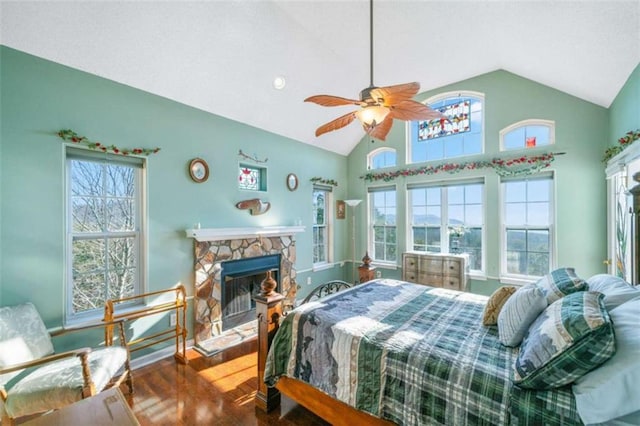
[(527, 134), (462, 134), (381, 157)]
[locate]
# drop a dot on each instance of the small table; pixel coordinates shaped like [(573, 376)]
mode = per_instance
[(106, 408)]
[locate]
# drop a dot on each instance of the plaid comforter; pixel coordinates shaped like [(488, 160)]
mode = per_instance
[(407, 353)]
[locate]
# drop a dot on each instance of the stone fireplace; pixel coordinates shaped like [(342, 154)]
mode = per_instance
[(218, 254)]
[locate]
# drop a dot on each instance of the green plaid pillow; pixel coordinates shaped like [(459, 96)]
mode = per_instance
[(571, 337), (560, 283)]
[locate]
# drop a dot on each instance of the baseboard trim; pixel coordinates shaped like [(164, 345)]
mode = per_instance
[(156, 356)]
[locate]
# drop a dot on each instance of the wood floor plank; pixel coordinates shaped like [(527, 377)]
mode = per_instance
[(217, 390)]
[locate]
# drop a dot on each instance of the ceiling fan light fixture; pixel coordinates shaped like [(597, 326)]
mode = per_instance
[(372, 115)]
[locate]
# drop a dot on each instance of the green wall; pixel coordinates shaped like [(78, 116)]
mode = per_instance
[(41, 97), (625, 109), (581, 133), (38, 98)]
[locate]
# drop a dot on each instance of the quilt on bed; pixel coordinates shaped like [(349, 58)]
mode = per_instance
[(407, 353)]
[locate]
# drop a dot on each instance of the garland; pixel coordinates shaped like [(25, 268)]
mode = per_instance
[(323, 180), (623, 143), (71, 136), (254, 158), (524, 165)]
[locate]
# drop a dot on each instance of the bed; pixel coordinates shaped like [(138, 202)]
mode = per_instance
[(394, 352)]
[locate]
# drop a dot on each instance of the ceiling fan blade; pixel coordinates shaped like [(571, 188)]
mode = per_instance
[(329, 101), (381, 130), (336, 124), (391, 95), (412, 110)]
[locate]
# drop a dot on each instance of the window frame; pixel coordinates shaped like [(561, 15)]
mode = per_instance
[(139, 233), (328, 229), (550, 124), (373, 154), (471, 94), (444, 226), (511, 278), (371, 242)]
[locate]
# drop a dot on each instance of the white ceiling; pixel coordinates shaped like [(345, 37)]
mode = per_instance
[(222, 56)]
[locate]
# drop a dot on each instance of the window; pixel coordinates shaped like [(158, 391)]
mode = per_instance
[(321, 236), (527, 227), (252, 178), (448, 219), (382, 201), (527, 134), (460, 135), (381, 157), (105, 225)]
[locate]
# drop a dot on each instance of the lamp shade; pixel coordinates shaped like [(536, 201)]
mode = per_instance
[(352, 203), (372, 114)]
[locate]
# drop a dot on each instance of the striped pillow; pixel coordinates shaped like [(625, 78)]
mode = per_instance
[(571, 337), (518, 312), (560, 283)]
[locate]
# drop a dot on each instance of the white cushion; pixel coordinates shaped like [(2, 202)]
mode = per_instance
[(59, 383), (611, 390), (616, 290)]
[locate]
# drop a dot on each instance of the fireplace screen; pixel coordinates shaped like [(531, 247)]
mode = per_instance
[(241, 281)]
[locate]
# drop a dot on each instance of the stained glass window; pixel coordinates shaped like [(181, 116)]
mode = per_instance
[(249, 178), (460, 134)]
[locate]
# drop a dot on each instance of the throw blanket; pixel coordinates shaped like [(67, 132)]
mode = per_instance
[(407, 353)]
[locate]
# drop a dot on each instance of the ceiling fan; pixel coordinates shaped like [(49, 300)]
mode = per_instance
[(379, 106)]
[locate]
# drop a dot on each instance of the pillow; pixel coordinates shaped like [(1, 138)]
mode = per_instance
[(611, 390), (616, 290), (495, 304), (560, 283), (518, 313), (571, 337)]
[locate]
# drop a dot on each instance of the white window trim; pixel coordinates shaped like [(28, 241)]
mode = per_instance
[(71, 319), (524, 123), (517, 279), (475, 273), (378, 151), (391, 264), (329, 217), (439, 97)]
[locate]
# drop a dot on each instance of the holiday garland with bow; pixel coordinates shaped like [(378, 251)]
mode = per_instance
[(517, 166), (71, 136)]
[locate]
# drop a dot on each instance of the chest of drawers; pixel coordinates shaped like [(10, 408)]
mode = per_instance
[(437, 270)]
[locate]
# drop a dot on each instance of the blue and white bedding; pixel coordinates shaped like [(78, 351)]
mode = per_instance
[(413, 355)]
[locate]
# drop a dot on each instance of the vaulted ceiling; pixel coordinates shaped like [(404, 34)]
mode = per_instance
[(222, 56)]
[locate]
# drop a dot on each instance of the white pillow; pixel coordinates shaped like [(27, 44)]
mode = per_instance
[(616, 290), (518, 312), (611, 390)]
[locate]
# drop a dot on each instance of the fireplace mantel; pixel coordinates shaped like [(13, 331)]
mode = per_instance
[(218, 234)]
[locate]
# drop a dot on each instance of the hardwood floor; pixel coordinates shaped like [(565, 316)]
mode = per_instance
[(218, 390)]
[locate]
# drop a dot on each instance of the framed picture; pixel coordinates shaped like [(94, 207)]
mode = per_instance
[(198, 170), (341, 209)]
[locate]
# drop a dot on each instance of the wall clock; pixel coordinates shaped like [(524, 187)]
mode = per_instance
[(292, 182), (199, 170)]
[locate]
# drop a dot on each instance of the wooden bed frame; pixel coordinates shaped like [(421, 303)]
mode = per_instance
[(269, 312)]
